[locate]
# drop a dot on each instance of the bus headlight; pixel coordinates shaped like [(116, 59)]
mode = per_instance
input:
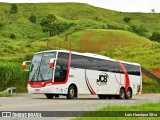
[(28, 85), (49, 84)]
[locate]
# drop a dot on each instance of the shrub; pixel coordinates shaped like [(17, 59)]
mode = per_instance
[(12, 36), (32, 18), (13, 9), (115, 27), (140, 30), (127, 19), (155, 36), (1, 25)]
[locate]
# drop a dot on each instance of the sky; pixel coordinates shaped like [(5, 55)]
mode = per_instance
[(118, 5)]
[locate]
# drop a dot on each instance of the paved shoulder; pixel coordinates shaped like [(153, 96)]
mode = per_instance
[(38, 102)]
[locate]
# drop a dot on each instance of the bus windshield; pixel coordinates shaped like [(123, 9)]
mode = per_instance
[(39, 69)]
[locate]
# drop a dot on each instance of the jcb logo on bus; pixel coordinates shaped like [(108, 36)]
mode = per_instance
[(103, 77)]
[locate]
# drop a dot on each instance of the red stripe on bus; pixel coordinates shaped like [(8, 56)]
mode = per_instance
[(127, 81), (87, 83), (68, 70), (91, 87)]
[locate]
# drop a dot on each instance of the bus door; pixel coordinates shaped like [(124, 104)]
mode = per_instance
[(61, 68)]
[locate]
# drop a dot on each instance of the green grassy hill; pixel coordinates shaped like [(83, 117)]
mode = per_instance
[(89, 36), (83, 15)]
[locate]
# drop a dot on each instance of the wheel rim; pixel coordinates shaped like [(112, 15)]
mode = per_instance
[(129, 93), (72, 92), (122, 93)]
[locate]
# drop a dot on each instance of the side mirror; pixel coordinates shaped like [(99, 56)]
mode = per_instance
[(24, 65), (51, 64)]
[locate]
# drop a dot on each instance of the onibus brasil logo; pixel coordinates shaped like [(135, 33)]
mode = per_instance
[(103, 78)]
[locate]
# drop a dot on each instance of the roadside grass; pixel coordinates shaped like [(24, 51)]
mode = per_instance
[(121, 110), (5, 95), (11, 75), (149, 85)]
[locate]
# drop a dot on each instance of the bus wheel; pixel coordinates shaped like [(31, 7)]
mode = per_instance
[(122, 93), (128, 94), (49, 96), (71, 92), (102, 96)]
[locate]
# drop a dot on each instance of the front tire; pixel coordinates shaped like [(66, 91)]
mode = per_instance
[(71, 92), (49, 96)]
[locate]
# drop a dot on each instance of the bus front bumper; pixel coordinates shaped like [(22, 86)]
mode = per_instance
[(58, 89)]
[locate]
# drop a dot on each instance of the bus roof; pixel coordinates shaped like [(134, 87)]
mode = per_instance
[(90, 55)]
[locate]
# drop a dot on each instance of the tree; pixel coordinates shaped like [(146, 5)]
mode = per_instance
[(153, 10), (155, 36), (127, 19), (13, 9), (32, 18), (53, 26), (48, 24)]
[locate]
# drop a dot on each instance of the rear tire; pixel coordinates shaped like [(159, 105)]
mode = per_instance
[(71, 92), (102, 96), (122, 93), (49, 96), (128, 94)]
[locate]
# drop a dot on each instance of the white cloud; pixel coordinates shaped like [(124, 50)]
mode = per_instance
[(119, 5)]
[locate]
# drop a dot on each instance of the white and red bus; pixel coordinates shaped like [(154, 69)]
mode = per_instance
[(61, 72)]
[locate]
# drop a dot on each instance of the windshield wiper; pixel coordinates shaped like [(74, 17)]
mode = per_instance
[(32, 65), (34, 75), (42, 79)]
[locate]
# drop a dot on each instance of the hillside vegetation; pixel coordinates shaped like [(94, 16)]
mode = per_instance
[(82, 15), (85, 29)]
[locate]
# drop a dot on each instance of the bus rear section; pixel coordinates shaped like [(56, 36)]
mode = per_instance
[(55, 73)]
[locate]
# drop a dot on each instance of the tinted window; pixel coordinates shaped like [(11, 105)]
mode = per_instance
[(78, 61), (91, 63), (114, 67), (83, 62), (103, 65), (63, 59), (132, 69), (111, 66)]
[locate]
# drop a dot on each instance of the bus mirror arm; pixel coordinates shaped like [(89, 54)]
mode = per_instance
[(24, 65)]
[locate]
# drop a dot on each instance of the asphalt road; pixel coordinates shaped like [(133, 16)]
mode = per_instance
[(38, 102)]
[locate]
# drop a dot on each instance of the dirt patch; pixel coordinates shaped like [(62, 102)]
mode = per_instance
[(156, 72)]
